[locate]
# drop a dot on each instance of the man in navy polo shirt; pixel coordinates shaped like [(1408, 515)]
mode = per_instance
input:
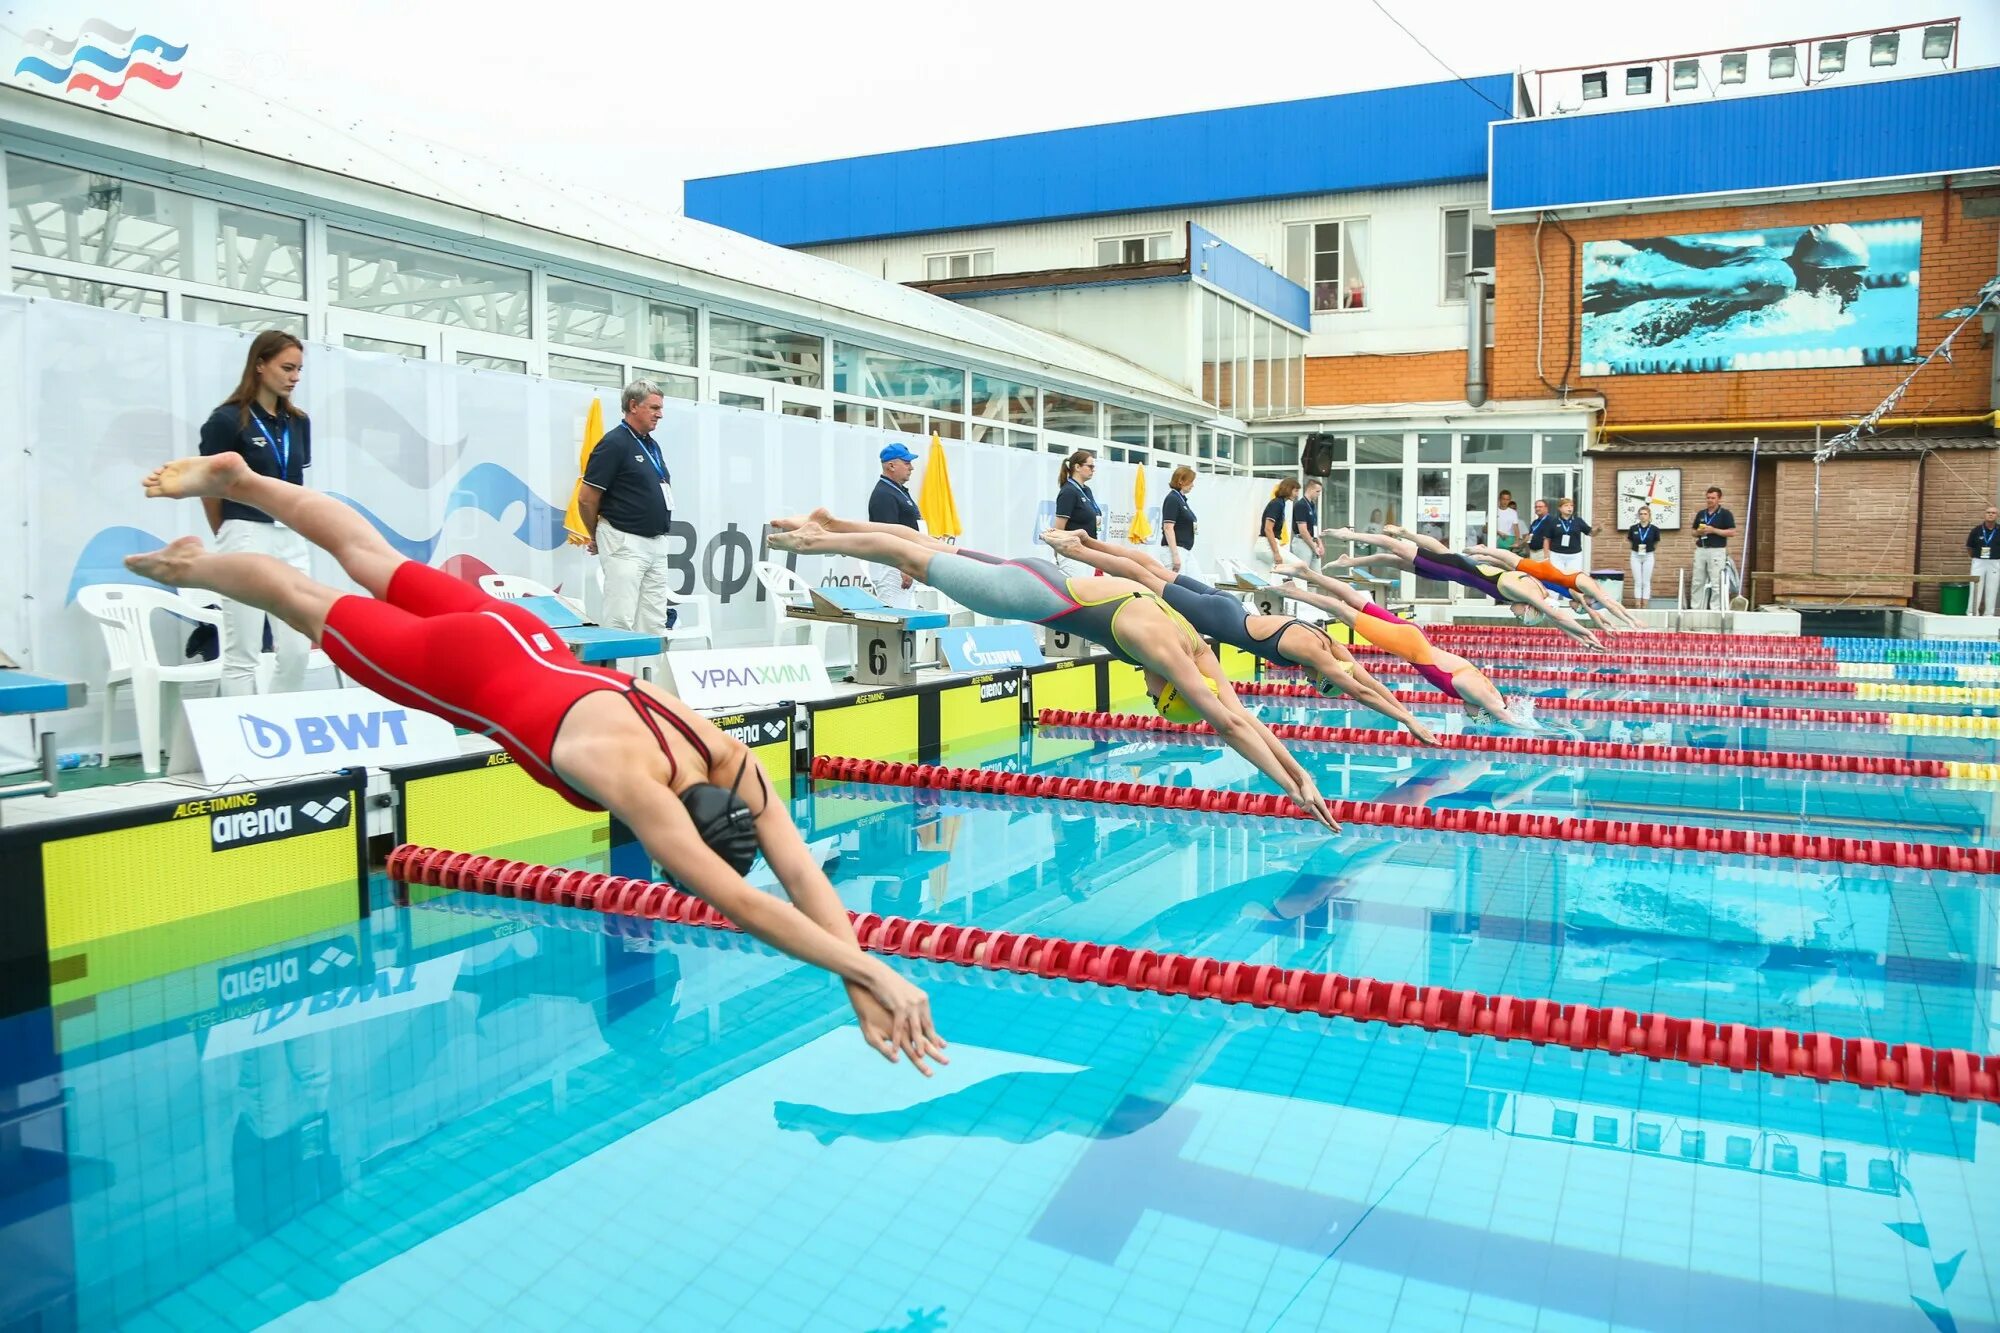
[(891, 502), (1713, 527), (627, 503)]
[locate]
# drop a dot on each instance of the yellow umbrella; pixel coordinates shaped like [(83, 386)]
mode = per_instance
[(593, 431), (939, 509), (1142, 531)]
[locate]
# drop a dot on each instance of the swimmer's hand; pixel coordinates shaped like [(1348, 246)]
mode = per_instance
[(896, 1018), (1424, 735), (1308, 799)]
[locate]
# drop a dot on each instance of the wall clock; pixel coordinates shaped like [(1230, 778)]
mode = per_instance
[(1658, 487)]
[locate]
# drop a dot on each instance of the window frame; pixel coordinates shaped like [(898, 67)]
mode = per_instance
[(1311, 282), (1472, 228), (1165, 239), (971, 258)]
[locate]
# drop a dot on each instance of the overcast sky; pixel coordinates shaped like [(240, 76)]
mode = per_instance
[(634, 97)]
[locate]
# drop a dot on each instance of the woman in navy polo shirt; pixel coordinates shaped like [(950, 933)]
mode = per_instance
[(1565, 533), (1177, 523), (260, 421), (1076, 506), (1645, 539)]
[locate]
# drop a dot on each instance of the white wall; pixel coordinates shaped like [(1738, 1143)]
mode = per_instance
[(1152, 324), (468, 469), (1408, 312)]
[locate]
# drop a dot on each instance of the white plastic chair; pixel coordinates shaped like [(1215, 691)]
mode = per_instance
[(124, 615), (784, 588), (514, 587), (267, 663), (693, 611)]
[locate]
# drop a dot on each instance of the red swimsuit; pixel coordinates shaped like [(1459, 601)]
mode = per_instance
[(440, 644)]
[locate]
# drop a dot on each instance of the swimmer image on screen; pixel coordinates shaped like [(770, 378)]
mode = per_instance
[(1282, 640), (1430, 558), (1183, 675), (602, 740)]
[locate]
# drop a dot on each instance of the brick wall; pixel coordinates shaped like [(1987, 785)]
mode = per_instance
[(1417, 377), (1958, 255), (1958, 484), (1608, 547), (1866, 524)]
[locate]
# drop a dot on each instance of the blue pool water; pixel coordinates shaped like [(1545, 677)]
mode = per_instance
[(519, 1117)]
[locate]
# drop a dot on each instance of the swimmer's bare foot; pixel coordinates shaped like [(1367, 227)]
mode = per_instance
[(807, 536), (1063, 539), (213, 476), (172, 563)]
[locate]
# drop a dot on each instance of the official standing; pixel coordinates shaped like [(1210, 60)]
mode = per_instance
[(1983, 543), (1565, 534), (627, 503), (1306, 544), (891, 502), (1536, 536), (260, 421), (1076, 505), (1177, 523), (1645, 540), (1713, 527), (1274, 525), (1506, 523)]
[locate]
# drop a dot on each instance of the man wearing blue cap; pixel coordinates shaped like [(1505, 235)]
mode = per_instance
[(892, 503)]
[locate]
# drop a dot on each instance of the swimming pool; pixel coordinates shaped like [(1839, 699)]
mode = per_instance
[(520, 1116)]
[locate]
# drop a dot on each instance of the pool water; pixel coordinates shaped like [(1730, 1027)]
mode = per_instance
[(515, 1116)]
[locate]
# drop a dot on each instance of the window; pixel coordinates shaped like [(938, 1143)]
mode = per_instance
[(597, 319), (580, 370), (86, 291), (1330, 259), (1135, 249), (1170, 436), (684, 387), (386, 277), (1378, 449), (1561, 448), (810, 410), (59, 212), (1125, 426), (854, 414), (1638, 81), (867, 373), (1003, 400), (1280, 452), (1510, 447), (963, 264), (247, 318), (482, 361), (1468, 245), (1434, 448), (1594, 86), (1068, 414), (763, 352)]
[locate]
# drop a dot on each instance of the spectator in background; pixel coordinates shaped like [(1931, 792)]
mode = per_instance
[(1983, 543), (1534, 538), (1645, 539), (1076, 505), (1177, 523), (1565, 534), (1506, 523), (627, 504), (891, 502), (1274, 528), (1306, 544), (1713, 527), (260, 421)]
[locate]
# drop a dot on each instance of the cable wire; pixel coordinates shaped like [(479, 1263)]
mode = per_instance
[(1440, 60)]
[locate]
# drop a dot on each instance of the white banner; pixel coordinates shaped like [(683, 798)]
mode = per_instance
[(249, 738), (743, 677), (466, 470)]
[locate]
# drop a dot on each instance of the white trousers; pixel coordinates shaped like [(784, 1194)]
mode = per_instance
[(1642, 577), (1190, 563), (888, 586), (1711, 579), (1985, 587), (243, 633), (1569, 564), (636, 576)]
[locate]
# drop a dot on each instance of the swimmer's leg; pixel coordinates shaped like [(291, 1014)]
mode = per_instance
[(272, 586)]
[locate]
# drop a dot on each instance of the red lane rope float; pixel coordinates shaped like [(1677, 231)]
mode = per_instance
[(1617, 658), (1546, 676), (1657, 707), (1893, 766), (1804, 645), (1505, 823), (1820, 1056)]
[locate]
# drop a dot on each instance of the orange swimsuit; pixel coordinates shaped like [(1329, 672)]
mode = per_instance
[(1547, 573)]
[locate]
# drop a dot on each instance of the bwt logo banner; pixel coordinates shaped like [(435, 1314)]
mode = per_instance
[(325, 734)]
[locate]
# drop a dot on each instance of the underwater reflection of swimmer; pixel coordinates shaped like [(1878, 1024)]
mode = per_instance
[(1168, 1053)]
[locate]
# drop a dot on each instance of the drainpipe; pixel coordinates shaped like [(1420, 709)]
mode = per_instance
[(1475, 337)]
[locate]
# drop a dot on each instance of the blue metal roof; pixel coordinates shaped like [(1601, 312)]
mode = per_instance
[(1920, 126), (1416, 135), (1215, 260)]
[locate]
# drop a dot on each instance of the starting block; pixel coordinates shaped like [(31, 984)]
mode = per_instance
[(1264, 599), (1058, 644), (885, 638)]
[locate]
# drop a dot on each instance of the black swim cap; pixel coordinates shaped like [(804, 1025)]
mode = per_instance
[(725, 823)]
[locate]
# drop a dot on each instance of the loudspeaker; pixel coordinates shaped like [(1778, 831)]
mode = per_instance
[(1317, 460)]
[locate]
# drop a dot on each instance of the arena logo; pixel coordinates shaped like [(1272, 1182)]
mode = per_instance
[(1006, 688), (323, 965), (247, 828), (323, 734), (757, 733)]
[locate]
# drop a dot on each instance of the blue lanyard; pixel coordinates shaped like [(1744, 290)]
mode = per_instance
[(282, 446), (652, 450), (1643, 535), (1986, 536), (1568, 525), (1088, 498)]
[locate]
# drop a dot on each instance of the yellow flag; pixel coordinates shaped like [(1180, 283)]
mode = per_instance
[(593, 431), (1142, 531), (934, 499)]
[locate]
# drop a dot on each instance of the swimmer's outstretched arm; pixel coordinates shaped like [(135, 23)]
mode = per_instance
[(1564, 621), (1423, 541), (899, 1017), (1108, 559), (1493, 555), (1349, 596)]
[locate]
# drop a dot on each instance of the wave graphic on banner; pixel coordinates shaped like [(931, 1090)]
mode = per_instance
[(60, 47), (493, 491), (103, 559), (140, 56)]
